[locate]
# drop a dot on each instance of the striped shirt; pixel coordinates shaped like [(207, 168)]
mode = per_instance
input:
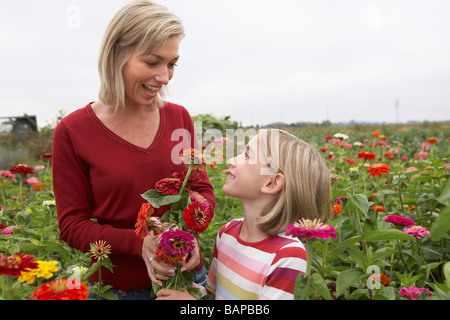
[(254, 270)]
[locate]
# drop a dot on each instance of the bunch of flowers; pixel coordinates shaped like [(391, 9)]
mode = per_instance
[(176, 231)]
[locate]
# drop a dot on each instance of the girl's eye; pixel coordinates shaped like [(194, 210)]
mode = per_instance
[(172, 65), (246, 155), (151, 64)]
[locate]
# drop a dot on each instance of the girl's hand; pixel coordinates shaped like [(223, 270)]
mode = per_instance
[(168, 294), (163, 271)]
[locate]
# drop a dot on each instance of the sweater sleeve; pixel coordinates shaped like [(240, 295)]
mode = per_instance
[(74, 202)]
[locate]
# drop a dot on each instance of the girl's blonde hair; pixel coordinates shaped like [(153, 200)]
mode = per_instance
[(307, 188), (137, 23)]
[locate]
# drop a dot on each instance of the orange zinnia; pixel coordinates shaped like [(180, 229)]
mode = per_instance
[(379, 169), (141, 223), (39, 186), (382, 278), (337, 209), (378, 208), (432, 140), (375, 134)]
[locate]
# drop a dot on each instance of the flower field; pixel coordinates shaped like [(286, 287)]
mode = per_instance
[(390, 221)]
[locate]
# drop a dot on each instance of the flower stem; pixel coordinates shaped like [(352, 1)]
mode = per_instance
[(20, 192), (424, 261), (191, 166), (309, 248)]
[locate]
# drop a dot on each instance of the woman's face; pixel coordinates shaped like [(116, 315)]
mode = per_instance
[(144, 75)]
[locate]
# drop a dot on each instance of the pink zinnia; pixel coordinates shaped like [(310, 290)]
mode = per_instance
[(417, 231), (412, 293), (177, 242), (311, 229), (399, 220), (10, 229)]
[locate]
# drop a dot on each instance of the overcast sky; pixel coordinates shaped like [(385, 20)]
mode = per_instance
[(257, 61)]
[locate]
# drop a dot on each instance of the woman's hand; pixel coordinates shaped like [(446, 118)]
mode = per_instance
[(163, 271), (193, 259), (168, 294)]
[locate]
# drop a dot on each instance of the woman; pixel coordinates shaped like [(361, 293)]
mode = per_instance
[(108, 153)]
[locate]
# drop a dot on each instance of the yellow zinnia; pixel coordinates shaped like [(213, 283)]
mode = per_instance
[(45, 270)]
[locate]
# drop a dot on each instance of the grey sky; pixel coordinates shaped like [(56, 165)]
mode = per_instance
[(257, 61)]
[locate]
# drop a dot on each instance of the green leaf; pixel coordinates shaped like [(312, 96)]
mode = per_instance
[(441, 225), (444, 198), (346, 278), (332, 254), (156, 199), (446, 271), (358, 203), (319, 285), (301, 287), (386, 234), (358, 257)]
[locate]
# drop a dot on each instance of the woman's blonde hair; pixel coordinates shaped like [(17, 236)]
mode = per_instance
[(307, 187), (137, 23)]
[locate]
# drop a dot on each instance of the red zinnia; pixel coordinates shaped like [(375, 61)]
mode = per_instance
[(399, 220), (141, 223), (432, 140), (61, 289), (169, 185), (379, 169), (46, 156), (196, 217), (14, 265), (366, 155), (21, 168)]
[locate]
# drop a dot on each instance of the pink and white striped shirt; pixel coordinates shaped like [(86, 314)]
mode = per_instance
[(254, 270)]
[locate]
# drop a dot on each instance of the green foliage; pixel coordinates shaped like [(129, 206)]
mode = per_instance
[(342, 268)]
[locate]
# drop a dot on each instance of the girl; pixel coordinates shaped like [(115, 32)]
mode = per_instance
[(279, 180)]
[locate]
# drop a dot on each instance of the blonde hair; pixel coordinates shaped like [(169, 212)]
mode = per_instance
[(136, 23), (307, 187)]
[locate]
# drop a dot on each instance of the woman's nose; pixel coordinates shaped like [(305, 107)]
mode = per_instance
[(163, 75)]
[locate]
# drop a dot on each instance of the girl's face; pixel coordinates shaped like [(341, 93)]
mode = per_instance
[(245, 177), (145, 75)]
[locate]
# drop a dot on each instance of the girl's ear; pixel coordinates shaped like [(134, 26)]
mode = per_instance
[(273, 184)]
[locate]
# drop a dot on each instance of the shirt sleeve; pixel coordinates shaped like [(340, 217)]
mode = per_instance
[(74, 202), (288, 263)]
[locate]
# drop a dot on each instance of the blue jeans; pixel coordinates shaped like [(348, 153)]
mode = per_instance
[(146, 294)]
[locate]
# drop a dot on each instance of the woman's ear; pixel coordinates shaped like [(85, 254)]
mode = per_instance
[(273, 184)]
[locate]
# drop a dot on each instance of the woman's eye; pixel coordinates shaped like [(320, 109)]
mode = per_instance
[(151, 64), (172, 65)]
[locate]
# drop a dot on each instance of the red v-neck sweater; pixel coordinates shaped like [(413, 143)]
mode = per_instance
[(98, 179)]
